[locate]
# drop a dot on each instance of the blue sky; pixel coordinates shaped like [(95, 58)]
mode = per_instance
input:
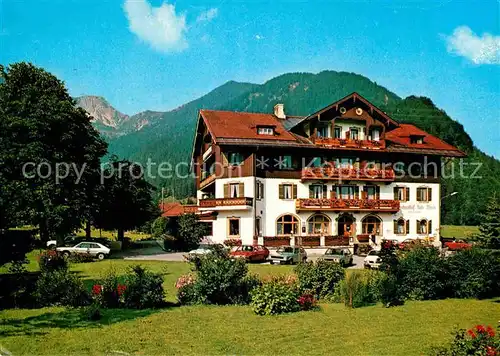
[(157, 55)]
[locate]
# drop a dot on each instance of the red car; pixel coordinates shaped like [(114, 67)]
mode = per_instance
[(251, 253), (457, 245)]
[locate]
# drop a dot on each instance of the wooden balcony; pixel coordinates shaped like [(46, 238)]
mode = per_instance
[(334, 173), (226, 203), (349, 143), (348, 205), (206, 179)]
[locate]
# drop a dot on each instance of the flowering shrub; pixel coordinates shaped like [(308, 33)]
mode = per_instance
[(276, 296), (52, 260), (184, 280), (306, 301), (480, 340), (232, 242)]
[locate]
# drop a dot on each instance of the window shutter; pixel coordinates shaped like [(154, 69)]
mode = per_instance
[(418, 226), (226, 190), (377, 192), (429, 226), (332, 194), (356, 192), (395, 226), (241, 190), (407, 230), (281, 191), (261, 190), (419, 194), (429, 194), (396, 193), (294, 186), (325, 191), (407, 197), (311, 191), (225, 162)]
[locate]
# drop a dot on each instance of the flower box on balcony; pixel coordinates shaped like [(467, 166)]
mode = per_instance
[(276, 241)]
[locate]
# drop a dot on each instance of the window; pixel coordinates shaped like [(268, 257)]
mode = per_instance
[(424, 194), (401, 226), (288, 191), (402, 193), (371, 192), (265, 130), (344, 162), (234, 227), (259, 190), (322, 130), (337, 132), (283, 162), (234, 190), (316, 162), (346, 191), (235, 158), (354, 133), (416, 139), (318, 224), (371, 225), (424, 226), (287, 225), (317, 191), (258, 231), (375, 134)]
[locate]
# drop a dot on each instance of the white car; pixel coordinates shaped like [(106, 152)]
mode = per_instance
[(92, 248), (372, 260)]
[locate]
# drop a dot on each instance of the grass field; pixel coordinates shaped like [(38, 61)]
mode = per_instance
[(407, 330), (460, 232)]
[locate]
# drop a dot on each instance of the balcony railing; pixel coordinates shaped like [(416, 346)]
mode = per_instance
[(348, 204), (221, 202), (348, 173), (349, 143)]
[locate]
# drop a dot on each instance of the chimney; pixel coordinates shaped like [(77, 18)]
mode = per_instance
[(279, 111)]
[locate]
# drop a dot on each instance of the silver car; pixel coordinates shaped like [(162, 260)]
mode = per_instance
[(288, 255), (343, 256), (91, 248)]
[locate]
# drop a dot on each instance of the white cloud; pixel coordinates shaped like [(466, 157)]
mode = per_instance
[(480, 50), (207, 16), (160, 27), (259, 37)]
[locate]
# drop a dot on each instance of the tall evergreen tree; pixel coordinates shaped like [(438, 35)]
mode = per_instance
[(489, 227)]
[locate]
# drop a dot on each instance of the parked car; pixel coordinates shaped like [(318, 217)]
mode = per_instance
[(457, 245), (251, 253), (288, 255), (203, 249), (72, 240), (372, 260), (343, 256), (92, 248)]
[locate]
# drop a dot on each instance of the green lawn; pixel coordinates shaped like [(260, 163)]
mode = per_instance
[(407, 330), (460, 232)]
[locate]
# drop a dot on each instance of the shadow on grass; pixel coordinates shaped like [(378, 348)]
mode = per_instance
[(70, 319)]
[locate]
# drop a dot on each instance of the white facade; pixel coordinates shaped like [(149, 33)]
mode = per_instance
[(270, 207)]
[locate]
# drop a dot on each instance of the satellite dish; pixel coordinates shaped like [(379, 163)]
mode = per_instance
[(342, 110), (359, 111)]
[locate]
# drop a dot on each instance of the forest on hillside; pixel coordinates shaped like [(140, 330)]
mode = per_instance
[(171, 137)]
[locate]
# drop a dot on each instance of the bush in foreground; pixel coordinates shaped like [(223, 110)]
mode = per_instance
[(144, 289), (357, 289), (60, 287), (319, 278), (52, 260), (474, 273), (276, 296)]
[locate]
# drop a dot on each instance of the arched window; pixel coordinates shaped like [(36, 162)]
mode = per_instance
[(318, 224), (371, 225), (424, 226), (287, 225), (401, 226)]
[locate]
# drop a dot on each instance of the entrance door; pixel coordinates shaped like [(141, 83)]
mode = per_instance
[(345, 226)]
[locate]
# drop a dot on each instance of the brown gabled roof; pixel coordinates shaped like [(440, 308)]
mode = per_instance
[(243, 125), (401, 136)]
